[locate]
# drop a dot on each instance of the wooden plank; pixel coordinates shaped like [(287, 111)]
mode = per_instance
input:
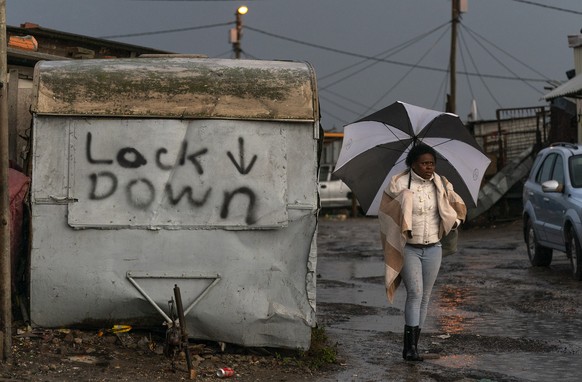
[(12, 114)]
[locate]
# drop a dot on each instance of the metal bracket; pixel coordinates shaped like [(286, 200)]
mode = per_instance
[(132, 275)]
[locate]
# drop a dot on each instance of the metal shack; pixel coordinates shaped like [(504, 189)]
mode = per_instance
[(155, 172)]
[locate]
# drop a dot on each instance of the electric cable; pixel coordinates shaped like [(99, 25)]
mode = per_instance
[(442, 90), (343, 97), (168, 30), (404, 76), (548, 6), (247, 54), (505, 66), (481, 78), (517, 1), (461, 51), (466, 67), (365, 57), (400, 48), (387, 53), (223, 54), (471, 32), (385, 60), (342, 107)]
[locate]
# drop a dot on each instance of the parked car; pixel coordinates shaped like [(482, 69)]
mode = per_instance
[(552, 206), (332, 191)]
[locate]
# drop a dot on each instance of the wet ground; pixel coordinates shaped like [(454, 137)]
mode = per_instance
[(492, 318)]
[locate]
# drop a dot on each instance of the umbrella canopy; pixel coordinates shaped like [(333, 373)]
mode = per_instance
[(375, 148)]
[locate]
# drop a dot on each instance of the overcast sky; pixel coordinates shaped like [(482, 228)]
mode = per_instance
[(507, 49)]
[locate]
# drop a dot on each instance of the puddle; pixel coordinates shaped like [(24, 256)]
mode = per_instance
[(350, 268), (529, 366), (506, 320)]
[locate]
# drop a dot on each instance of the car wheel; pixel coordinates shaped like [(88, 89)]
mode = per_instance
[(574, 252), (539, 256)]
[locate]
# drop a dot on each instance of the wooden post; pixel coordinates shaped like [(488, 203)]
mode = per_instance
[(452, 100), (12, 114), (5, 268)]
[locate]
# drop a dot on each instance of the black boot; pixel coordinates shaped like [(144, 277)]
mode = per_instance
[(410, 352), (416, 337)]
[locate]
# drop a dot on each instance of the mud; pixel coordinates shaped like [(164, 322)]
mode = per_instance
[(492, 318)]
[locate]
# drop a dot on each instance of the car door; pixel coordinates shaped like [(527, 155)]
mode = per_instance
[(538, 197), (555, 204)]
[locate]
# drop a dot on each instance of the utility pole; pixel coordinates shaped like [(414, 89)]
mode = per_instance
[(455, 18), (458, 7), (5, 258), (236, 33)]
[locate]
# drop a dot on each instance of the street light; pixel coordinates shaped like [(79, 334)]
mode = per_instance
[(236, 33), (242, 10)]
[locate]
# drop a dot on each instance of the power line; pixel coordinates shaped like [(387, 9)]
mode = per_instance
[(505, 66), (481, 78), (472, 32), (442, 88), (248, 55), (342, 107), (384, 54), (343, 97), (387, 53), (461, 51), (388, 61), (169, 30), (365, 57), (548, 6), (404, 76), (224, 54)]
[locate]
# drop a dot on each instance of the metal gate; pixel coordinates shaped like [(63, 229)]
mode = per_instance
[(519, 129)]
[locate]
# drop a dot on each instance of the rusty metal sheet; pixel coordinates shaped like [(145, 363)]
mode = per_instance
[(241, 283), (168, 87)]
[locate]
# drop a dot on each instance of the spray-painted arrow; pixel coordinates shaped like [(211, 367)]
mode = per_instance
[(240, 166)]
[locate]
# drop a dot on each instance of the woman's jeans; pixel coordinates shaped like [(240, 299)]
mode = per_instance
[(419, 273)]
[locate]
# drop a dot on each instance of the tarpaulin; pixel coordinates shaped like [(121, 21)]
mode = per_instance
[(18, 185)]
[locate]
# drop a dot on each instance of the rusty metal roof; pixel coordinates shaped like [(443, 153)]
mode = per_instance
[(171, 87), (571, 88), (72, 39)]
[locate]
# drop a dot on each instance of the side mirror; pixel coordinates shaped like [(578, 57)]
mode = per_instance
[(552, 186)]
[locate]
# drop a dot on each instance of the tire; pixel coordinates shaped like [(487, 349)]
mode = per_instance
[(574, 253), (539, 256)]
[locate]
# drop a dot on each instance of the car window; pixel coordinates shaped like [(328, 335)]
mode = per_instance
[(576, 170), (558, 173), (536, 161), (546, 168)]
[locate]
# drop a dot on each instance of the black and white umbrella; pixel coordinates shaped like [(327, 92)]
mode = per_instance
[(375, 148)]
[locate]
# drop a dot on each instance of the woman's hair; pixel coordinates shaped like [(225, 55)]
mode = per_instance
[(418, 150)]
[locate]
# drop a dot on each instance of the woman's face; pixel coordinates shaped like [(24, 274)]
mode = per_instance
[(424, 165)]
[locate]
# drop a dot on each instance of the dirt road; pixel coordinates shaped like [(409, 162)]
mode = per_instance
[(492, 317)]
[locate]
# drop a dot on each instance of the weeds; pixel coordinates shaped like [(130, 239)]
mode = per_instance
[(320, 353)]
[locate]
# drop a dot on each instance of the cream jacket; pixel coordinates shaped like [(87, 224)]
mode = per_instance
[(425, 213), (395, 218)]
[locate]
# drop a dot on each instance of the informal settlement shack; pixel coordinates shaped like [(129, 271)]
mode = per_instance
[(155, 172)]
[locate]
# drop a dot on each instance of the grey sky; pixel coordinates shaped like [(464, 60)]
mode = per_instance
[(525, 40)]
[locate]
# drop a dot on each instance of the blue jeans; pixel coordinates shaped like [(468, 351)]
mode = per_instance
[(419, 273)]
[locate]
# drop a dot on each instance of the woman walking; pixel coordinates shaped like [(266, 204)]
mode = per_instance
[(418, 209)]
